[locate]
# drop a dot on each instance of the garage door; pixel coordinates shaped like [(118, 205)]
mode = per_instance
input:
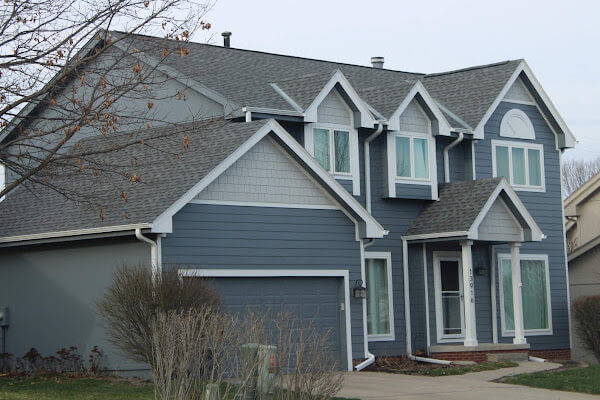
[(314, 299)]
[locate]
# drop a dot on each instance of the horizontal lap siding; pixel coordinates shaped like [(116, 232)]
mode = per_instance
[(234, 237), (413, 191), (546, 210)]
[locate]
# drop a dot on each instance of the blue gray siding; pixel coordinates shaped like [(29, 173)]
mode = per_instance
[(411, 191), (546, 210), (212, 236), (51, 292)]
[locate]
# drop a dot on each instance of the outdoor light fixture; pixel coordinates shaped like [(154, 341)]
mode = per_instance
[(480, 271), (359, 291)]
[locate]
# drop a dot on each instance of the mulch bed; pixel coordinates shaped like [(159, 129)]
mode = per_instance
[(403, 365)]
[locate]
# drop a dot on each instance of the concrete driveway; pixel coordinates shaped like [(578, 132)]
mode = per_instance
[(380, 386)]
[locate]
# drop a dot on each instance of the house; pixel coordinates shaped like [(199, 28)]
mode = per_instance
[(582, 221), (439, 193)]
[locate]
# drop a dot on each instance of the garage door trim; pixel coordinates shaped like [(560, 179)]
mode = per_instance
[(276, 273)]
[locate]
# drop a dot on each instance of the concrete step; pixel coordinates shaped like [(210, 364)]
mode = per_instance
[(516, 356)]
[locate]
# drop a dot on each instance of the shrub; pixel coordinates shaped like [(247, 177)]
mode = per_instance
[(134, 299), (66, 361), (586, 312)]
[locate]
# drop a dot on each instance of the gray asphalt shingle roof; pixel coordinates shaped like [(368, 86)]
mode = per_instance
[(458, 206), (164, 179)]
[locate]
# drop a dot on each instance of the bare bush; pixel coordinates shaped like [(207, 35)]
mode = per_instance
[(66, 361), (577, 172), (210, 355), (134, 299), (587, 322)]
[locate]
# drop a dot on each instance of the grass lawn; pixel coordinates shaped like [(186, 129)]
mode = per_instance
[(464, 369), (580, 379), (62, 388)]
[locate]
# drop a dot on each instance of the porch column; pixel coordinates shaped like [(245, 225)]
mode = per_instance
[(469, 294), (515, 267)]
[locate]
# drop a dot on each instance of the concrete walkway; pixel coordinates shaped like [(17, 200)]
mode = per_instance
[(380, 386)]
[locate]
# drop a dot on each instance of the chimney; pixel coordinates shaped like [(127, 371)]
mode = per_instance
[(377, 62), (226, 40)]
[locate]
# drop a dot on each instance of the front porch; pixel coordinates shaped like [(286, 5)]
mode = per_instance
[(460, 275)]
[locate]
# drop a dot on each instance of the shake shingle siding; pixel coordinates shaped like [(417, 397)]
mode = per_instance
[(545, 209), (234, 237)]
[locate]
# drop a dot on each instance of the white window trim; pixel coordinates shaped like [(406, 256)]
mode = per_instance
[(528, 332), (2, 179), (515, 112), (354, 174), (260, 273), (391, 160), (447, 256), (387, 256), (524, 145)]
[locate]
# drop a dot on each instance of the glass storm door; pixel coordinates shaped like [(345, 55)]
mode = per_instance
[(449, 299)]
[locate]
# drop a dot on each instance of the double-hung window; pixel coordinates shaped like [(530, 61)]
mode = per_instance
[(535, 291), (522, 164), (380, 324), (331, 148), (412, 157)]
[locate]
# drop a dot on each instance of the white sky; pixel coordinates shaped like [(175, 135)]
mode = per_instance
[(559, 39)]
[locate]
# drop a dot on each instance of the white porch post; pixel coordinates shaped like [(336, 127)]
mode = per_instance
[(469, 294), (515, 267)]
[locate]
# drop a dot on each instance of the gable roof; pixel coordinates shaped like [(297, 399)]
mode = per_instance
[(583, 191), (462, 206), (33, 212)]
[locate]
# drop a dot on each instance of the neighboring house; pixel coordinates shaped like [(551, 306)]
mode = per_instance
[(441, 193), (582, 222)]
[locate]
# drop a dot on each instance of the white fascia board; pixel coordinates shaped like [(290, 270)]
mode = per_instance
[(444, 125), (228, 106), (536, 233), (438, 235), (74, 232), (286, 97), (366, 119), (569, 140), (372, 228)]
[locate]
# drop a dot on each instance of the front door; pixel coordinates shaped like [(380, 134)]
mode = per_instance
[(449, 305)]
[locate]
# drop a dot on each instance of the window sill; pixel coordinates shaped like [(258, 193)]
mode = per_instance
[(412, 181), (530, 332), (451, 340), (535, 189), (381, 338)]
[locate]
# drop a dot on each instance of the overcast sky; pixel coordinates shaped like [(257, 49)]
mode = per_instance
[(559, 39)]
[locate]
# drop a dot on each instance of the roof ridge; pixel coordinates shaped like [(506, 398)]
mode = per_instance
[(472, 68), (273, 54)]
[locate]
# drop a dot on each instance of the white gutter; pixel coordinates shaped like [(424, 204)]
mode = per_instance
[(429, 360), (153, 252), (76, 232), (368, 163), (446, 162), (370, 356), (537, 359)]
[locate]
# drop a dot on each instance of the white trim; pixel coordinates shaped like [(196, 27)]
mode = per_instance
[(526, 146), (517, 113), (75, 232), (493, 294), (569, 138), (366, 119), (408, 328), (272, 111), (354, 174), (426, 288), (287, 98), (263, 204), (528, 332), (371, 228), (266, 273), (560, 153), (473, 159), (444, 126), (447, 256), (363, 275), (387, 256), (527, 103), (435, 235), (2, 179)]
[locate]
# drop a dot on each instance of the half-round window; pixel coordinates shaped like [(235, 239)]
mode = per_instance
[(516, 124)]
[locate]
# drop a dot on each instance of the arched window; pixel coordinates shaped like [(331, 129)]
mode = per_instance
[(516, 124)]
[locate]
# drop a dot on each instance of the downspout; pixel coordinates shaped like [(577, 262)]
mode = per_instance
[(153, 251), (370, 356), (368, 163), (446, 162)]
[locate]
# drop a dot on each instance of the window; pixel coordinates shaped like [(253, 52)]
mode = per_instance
[(516, 124), (331, 148), (412, 157), (535, 292), (380, 325), (521, 164)]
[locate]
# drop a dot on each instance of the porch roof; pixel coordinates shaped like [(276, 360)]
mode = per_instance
[(462, 207)]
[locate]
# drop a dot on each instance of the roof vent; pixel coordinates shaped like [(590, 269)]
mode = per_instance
[(377, 62), (226, 40)]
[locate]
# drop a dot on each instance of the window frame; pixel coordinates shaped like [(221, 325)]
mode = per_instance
[(309, 145), (526, 146), (430, 157), (515, 112), (527, 332), (387, 256)]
